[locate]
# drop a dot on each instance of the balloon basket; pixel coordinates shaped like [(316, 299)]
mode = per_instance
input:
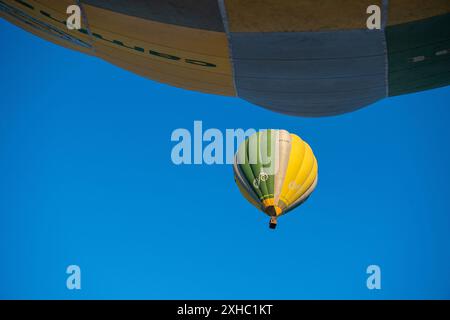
[(273, 223)]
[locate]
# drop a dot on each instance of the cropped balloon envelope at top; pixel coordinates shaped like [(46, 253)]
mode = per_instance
[(299, 57)]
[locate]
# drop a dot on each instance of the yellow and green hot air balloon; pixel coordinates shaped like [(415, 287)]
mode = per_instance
[(276, 171)]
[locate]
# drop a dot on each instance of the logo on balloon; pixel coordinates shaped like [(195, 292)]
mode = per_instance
[(263, 176), (294, 186)]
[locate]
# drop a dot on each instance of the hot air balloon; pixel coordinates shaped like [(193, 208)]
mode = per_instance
[(276, 171), (299, 57)]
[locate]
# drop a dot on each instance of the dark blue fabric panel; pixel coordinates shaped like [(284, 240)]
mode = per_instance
[(310, 73)]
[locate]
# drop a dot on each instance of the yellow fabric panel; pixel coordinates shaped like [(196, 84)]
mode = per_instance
[(180, 44), (172, 80), (176, 75), (297, 154), (184, 57), (208, 44), (305, 186), (312, 186), (301, 180), (296, 15), (402, 11)]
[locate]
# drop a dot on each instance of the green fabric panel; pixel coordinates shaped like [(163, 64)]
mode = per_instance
[(419, 55), (256, 167), (264, 188), (247, 170)]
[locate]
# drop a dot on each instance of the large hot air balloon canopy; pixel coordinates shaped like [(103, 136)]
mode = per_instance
[(300, 57), (276, 171)]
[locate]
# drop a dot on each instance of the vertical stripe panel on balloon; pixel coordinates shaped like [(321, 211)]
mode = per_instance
[(254, 154), (245, 167), (295, 161), (267, 158), (302, 175), (308, 180), (282, 159)]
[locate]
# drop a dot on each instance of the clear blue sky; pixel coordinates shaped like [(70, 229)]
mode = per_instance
[(86, 178)]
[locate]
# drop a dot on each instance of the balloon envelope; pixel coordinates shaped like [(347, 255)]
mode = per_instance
[(276, 171), (299, 57)]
